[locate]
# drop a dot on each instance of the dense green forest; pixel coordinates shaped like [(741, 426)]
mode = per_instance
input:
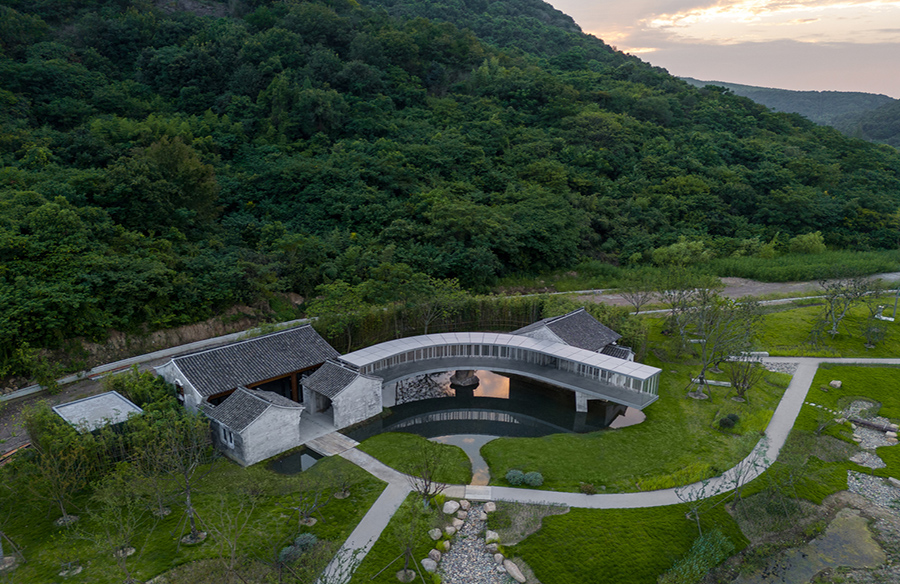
[(158, 167), (881, 124)]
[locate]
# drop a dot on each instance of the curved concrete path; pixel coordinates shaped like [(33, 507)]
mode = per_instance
[(763, 455)]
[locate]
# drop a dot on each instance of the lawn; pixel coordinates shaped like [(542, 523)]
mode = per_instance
[(786, 331), (46, 547), (615, 546), (679, 442), (388, 548), (399, 449)]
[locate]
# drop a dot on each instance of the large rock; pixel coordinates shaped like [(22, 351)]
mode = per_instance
[(499, 558), (514, 571), (490, 507), (491, 536), (482, 516), (464, 505), (430, 565), (835, 384), (462, 514), (450, 530), (435, 534), (446, 546), (435, 555), (450, 507), (458, 523), (492, 547), (894, 482)]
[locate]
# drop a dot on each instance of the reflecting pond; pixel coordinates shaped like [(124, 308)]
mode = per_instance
[(500, 405), (295, 462)]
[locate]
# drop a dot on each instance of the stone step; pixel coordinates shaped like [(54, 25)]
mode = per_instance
[(332, 444)]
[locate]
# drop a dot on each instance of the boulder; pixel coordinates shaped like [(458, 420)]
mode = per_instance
[(429, 565), (492, 547), (499, 558), (435, 534), (446, 546), (435, 555), (458, 523), (835, 384), (490, 507), (450, 507), (464, 505), (450, 530), (894, 482), (890, 434), (462, 514), (514, 571), (501, 569), (482, 516), (491, 536)]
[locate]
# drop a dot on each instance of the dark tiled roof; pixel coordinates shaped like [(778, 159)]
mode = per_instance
[(617, 351), (577, 328), (246, 362), (242, 407), (331, 378)]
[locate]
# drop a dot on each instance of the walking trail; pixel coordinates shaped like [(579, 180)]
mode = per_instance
[(763, 455)]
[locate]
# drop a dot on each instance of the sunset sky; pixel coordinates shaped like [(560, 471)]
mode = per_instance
[(841, 45)]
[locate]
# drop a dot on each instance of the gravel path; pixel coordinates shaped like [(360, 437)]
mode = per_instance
[(468, 562), (875, 489)]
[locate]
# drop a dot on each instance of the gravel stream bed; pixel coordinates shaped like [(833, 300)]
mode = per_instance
[(468, 562), (875, 489)]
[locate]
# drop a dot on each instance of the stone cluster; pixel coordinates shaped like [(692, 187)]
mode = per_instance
[(474, 555)]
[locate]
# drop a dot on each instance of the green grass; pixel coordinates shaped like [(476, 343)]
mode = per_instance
[(678, 443), (45, 546), (786, 332), (387, 548), (398, 449), (615, 546), (803, 267)]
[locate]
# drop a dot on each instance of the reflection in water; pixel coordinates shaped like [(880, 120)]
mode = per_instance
[(501, 405), (471, 445), (295, 462)]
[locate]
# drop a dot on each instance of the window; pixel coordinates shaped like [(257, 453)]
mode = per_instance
[(227, 437)]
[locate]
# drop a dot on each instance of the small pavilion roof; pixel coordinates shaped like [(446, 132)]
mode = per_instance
[(577, 328), (244, 406)]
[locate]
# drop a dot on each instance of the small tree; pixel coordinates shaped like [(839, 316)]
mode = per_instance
[(840, 295), (437, 299), (639, 290), (187, 437), (337, 308), (312, 495), (426, 462), (121, 520), (409, 526), (61, 459), (744, 371), (229, 521)]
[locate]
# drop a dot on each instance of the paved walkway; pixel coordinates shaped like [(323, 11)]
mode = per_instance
[(765, 453)]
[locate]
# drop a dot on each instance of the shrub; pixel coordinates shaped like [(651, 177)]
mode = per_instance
[(534, 479), (726, 423), (810, 243), (287, 554), (733, 417), (305, 542), (708, 551), (587, 488), (515, 477)]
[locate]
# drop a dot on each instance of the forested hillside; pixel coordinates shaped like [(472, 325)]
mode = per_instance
[(881, 124), (158, 167), (821, 107)]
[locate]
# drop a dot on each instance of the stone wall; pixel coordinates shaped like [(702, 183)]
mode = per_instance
[(357, 402), (276, 430)]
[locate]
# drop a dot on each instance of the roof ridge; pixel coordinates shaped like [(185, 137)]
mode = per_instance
[(241, 342)]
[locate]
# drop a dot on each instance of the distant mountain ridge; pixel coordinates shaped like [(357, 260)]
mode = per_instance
[(869, 116)]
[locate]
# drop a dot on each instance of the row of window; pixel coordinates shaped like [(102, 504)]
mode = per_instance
[(518, 354)]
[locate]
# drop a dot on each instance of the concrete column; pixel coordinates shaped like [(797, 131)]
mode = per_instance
[(581, 402)]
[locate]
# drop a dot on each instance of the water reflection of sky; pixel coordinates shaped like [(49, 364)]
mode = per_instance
[(471, 445), (489, 385)]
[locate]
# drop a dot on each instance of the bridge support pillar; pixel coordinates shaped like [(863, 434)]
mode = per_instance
[(464, 378), (581, 402)]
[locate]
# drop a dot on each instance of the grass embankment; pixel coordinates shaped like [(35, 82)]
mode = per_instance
[(680, 441), (785, 268), (786, 331), (399, 450), (47, 547)]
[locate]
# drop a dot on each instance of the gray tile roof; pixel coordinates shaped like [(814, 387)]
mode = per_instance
[(617, 351), (246, 362), (331, 378), (242, 407), (577, 328)]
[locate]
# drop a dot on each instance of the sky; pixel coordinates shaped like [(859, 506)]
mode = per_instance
[(825, 45)]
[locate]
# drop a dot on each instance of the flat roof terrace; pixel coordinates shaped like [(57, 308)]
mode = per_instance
[(593, 374)]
